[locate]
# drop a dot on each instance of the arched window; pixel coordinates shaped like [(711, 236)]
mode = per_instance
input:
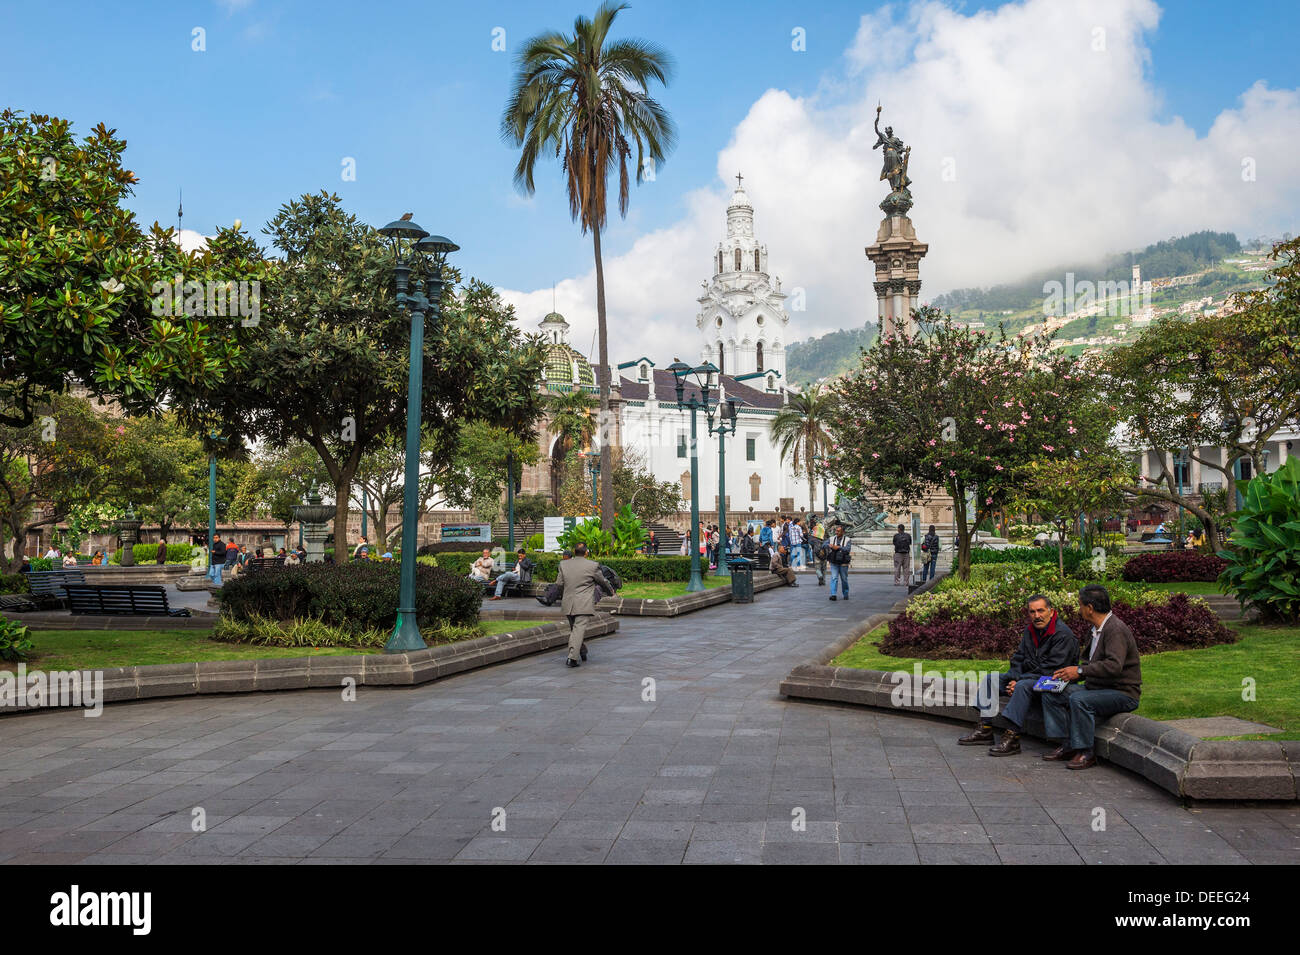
[(719, 260), (722, 357), (645, 372), (738, 260), (771, 383), (760, 357), (756, 268)]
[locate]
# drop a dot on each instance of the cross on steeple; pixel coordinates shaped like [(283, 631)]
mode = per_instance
[(738, 178)]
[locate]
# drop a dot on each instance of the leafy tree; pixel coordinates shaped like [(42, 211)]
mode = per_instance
[(1227, 381), (958, 411), (585, 99), (329, 365), (1263, 553), (477, 476), (799, 430), (80, 279)]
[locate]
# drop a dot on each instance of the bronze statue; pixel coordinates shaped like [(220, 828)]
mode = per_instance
[(894, 169)]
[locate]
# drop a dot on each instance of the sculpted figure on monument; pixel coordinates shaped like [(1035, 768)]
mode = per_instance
[(895, 156), (860, 516)]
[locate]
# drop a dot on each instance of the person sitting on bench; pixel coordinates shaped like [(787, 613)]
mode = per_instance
[(1046, 646), (482, 569), (1112, 670), (780, 565), (522, 566)]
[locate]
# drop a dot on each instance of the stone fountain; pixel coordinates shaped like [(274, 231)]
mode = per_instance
[(313, 516)]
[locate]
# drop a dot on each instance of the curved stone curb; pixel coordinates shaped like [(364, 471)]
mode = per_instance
[(687, 603), (298, 673)]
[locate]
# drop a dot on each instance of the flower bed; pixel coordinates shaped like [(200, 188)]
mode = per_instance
[(1174, 566)]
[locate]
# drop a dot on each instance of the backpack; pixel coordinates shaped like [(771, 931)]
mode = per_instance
[(613, 579), (552, 593)]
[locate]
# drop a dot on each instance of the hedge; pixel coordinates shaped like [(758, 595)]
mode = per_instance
[(1025, 555), (450, 547), (146, 553), (1176, 624), (358, 596), (1174, 566), (640, 569), (13, 584)]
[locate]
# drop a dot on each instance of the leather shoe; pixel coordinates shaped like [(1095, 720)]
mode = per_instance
[(832, 596), (494, 597), (1059, 754), (1008, 745), (570, 663), (982, 735), (1082, 760), (583, 652)]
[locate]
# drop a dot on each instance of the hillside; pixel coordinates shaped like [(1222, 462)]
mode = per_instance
[(832, 354)]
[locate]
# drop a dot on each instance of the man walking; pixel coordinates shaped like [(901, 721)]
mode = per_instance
[(1046, 645), (817, 549), (796, 545), (1112, 670), (580, 578), (930, 546), (902, 555)]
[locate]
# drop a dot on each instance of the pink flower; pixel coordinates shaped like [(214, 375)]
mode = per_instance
[(1048, 447), (874, 454), (997, 467)]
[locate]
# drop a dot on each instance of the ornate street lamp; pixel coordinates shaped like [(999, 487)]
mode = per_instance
[(414, 248), (593, 468), (726, 412), (214, 441), (702, 380)]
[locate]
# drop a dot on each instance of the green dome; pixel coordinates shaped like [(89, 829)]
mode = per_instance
[(559, 365)]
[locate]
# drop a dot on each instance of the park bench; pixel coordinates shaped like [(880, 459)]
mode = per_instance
[(262, 563), (47, 585), (120, 600), (512, 589)]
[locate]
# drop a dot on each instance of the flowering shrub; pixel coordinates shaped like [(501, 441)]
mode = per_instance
[(1174, 565)]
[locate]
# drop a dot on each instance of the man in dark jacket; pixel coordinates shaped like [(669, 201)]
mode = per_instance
[(1047, 645), (1112, 670), (930, 547), (216, 559), (902, 555)]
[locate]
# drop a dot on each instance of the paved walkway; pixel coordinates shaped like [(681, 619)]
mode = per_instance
[(716, 769)]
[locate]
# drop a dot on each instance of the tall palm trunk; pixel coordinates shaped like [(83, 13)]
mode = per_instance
[(606, 426)]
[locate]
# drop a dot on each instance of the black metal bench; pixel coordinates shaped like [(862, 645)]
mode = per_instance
[(513, 589), (263, 563), (120, 600), (47, 586)]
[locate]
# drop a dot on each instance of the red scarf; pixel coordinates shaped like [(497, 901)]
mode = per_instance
[(1048, 631)]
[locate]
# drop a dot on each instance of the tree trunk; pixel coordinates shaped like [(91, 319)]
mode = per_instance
[(606, 425), (963, 533)]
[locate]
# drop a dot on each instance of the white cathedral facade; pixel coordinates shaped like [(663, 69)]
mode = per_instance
[(743, 331)]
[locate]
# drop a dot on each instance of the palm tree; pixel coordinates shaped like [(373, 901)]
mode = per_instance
[(585, 98), (572, 420), (799, 429)]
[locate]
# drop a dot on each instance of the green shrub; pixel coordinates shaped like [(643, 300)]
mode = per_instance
[(14, 642), (639, 569), (147, 553), (358, 596), (41, 563), (1025, 555), (299, 632), (534, 542), (13, 584), (444, 547), (1263, 553)]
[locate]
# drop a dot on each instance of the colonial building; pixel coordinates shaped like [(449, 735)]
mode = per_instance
[(743, 331)]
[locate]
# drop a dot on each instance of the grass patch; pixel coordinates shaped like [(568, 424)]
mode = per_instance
[(1179, 684), (101, 649), (661, 590), (1193, 587)]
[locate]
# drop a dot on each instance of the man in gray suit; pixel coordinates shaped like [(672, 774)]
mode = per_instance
[(581, 579)]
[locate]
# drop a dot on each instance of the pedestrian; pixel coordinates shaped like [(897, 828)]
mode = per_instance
[(362, 550), (902, 555), (98, 559), (796, 545), (686, 544), (232, 556), (581, 579), (216, 559), (715, 547), (817, 550), (839, 554), (161, 556), (930, 548), (290, 558)]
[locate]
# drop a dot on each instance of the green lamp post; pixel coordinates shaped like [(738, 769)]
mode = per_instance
[(593, 468), (696, 401), (414, 250), (726, 412), (214, 441)]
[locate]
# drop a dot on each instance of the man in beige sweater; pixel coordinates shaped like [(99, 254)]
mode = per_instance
[(1113, 673)]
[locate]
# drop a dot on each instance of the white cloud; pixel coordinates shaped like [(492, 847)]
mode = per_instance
[(1047, 116)]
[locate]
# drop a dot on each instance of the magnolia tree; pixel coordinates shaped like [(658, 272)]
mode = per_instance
[(962, 412)]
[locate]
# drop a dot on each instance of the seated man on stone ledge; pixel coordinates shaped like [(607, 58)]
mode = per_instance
[(1046, 646), (1112, 671)]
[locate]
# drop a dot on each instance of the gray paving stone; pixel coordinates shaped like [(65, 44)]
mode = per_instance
[(586, 771)]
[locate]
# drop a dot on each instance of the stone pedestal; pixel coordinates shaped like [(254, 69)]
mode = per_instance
[(896, 256)]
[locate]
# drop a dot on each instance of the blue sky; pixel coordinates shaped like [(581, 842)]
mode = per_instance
[(413, 92)]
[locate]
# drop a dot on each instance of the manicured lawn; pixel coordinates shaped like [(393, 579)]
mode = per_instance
[(97, 649), (659, 591), (1175, 685), (1187, 587)]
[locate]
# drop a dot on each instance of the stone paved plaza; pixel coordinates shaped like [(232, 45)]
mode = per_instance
[(586, 771)]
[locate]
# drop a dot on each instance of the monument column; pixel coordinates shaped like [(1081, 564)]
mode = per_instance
[(896, 253)]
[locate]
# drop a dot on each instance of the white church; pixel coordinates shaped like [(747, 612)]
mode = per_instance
[(743, 330)]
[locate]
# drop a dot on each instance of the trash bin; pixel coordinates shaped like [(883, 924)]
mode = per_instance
[(742, 580)]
